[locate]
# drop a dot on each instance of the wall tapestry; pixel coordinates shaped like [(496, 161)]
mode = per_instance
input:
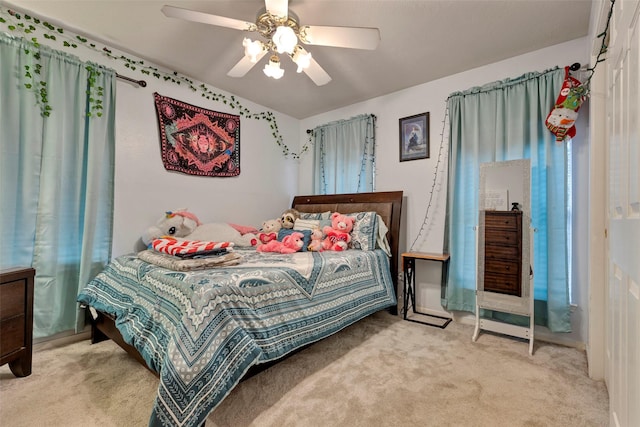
[(196, 141)]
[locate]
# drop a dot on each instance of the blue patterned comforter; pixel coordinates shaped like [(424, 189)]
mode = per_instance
[(202, 330)]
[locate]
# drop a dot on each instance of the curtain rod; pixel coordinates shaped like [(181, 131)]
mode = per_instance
[(372, 115), (129, 79)]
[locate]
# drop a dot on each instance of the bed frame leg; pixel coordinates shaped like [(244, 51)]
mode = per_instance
[(96, 334)]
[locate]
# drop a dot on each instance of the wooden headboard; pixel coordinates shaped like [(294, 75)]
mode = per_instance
[(388, 204)]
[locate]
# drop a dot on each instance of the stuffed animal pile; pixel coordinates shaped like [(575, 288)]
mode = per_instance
[(185, 226), (329, 238)]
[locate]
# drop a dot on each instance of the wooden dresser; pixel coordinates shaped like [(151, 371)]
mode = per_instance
[(16, 319), (503, 252)]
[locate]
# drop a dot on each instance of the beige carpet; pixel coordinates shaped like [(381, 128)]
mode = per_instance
[(380, 372)]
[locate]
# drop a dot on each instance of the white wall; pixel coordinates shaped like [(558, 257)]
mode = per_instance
[(144, 190), (416, 178)]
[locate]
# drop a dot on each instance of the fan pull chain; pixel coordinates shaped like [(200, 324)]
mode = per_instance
[(422, 231)]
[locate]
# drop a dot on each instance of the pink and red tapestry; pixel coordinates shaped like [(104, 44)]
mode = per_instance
[(196, 141)]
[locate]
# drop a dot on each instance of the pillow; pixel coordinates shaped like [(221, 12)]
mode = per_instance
[(381, 241), (306, 224), (306, 239), (311, 224), (365, 231), (315, 215)]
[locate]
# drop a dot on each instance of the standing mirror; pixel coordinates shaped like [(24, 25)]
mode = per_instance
[(504, 275)]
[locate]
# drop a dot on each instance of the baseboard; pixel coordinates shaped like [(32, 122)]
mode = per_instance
[(540, 333), (544, 334), (60, 339)]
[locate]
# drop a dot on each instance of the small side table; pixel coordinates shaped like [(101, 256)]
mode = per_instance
[(409, 264)]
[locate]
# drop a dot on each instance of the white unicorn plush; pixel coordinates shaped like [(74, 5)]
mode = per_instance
[(186, 226)]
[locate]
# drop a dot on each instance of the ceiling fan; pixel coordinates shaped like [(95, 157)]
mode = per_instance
[(282, 34)]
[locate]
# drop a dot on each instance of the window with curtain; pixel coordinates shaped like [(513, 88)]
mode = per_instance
[(344, 156), (56, 178), (505, 120)]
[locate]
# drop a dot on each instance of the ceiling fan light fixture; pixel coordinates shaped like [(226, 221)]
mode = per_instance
[(301, 58), (252, 48), (272, 69), (281, 33), (285, 39)]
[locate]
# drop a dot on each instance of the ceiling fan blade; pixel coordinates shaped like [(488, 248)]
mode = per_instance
[(350, 37), (244, 65), (314, 70), (279, 8), (205, 18), (317, 73)]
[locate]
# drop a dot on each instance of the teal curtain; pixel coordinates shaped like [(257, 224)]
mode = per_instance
[(500, 121), (56, 188), (344, 156)]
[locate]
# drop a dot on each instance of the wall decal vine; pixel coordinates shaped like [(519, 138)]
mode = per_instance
[(27, 26)]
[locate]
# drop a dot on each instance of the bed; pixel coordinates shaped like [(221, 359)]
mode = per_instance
[(203, 330)]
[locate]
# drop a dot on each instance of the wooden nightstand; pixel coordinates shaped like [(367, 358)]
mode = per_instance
[(16, 319)]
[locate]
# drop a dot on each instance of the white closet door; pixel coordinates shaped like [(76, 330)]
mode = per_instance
[(623, 289)]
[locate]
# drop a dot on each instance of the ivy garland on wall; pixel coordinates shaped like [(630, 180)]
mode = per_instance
[(27, 26)]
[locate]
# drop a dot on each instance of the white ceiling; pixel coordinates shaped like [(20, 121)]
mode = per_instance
[(421, 41)]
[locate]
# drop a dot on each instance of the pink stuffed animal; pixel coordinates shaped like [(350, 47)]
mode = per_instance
[(290, 244), (316, 241), (338, 235)]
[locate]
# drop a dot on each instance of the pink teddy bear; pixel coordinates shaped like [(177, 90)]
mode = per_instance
[(338, 235), (290, 244)]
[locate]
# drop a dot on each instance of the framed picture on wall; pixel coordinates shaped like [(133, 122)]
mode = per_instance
[(414, 137)]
